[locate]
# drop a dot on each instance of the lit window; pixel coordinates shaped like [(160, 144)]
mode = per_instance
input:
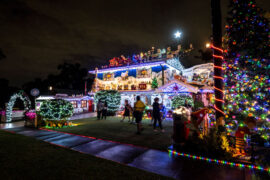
[(74, 103), (83, 103)]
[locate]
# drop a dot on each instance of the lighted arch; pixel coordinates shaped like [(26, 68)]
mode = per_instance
[(13, 98)]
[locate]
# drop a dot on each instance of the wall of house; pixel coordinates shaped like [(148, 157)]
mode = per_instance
[(134, 79)]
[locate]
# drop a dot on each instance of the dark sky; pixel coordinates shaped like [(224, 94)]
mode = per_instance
[(37, 35)]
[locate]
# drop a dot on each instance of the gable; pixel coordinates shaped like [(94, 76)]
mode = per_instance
[(176, 86)]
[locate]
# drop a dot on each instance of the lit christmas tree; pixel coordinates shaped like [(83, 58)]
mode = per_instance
[(154, 84), (247, 65), (112, 97)]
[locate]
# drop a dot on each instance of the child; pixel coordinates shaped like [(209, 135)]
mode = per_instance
[(127, 111)]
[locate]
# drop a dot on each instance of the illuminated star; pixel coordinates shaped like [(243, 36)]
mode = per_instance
[(177, 34)]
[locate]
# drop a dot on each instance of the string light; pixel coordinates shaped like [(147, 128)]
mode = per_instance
[(26, 101), (56, 109), (220, 162), (247, 83)]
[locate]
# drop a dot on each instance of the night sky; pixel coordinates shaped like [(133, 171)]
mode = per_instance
[(37, 35)]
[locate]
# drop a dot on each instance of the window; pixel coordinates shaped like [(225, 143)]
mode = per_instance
[(125, 87), (83, 103), (74, 103), (142, 86)]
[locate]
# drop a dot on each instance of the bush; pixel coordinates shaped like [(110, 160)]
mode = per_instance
[(56, 109), (112, 97), (211, 145), (180, 101), (198, 105)]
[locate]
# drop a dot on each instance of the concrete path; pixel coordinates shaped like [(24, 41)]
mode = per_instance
[(83, 115), (143, 158)]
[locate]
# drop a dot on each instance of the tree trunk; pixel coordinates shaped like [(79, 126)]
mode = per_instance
[(217, 43)]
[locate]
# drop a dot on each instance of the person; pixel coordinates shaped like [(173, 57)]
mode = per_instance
[(139, 107), (99, 109), (157, 115), (163, 111), (127, 111), (105, 110)]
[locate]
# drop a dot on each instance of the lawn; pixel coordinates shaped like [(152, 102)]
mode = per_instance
[(124, 132), (27, 158)]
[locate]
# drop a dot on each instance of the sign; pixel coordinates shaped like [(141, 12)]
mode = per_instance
[(34, 92)]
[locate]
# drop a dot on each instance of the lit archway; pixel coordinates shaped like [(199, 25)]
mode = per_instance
[(26, 102)]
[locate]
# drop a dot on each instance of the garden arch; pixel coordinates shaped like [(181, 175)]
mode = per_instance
[(21, 95)]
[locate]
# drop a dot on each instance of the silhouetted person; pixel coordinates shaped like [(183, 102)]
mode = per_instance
[(104, 110), (139, 107), (157, 115), (99, 109)]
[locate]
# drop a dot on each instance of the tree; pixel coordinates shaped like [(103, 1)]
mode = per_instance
[(206, 55), (154, 83), (247, 65), (217, 57), (112, 97), (181, 101), (71, 77)]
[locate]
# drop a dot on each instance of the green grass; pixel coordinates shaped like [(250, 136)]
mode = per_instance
[(113, 129), (27, 158)]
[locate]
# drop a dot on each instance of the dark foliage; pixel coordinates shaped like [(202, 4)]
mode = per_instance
[(71, 79)]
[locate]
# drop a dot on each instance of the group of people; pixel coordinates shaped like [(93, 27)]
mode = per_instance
[(137, 113), (102, 109)]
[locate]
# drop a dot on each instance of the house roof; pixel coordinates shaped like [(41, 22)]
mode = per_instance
[(173, 63)]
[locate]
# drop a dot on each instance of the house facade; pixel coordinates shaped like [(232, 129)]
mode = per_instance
[(160, 77)]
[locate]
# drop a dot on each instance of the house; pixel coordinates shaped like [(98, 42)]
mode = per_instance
[(81, 103), (153, 76)]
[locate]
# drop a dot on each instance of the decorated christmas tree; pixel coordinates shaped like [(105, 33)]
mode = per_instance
[(154, 83), (247, 65), (112, 97)]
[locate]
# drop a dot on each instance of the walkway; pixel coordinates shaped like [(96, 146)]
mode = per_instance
[(146, 159), (83, 115)]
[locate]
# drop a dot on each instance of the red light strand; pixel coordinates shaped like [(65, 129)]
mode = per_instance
[(218, 77), (218, 49), (217, 109)]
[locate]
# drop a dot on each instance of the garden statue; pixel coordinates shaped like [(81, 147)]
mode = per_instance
[(197, 118)]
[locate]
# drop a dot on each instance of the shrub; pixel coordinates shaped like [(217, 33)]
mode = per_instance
[(56, 109), (198, 105), (112, 97), (180, 101)]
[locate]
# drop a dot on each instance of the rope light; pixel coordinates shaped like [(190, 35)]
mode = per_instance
[(219, 89), (218, 67), (220, 57), (218, 49), (218, 77)]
